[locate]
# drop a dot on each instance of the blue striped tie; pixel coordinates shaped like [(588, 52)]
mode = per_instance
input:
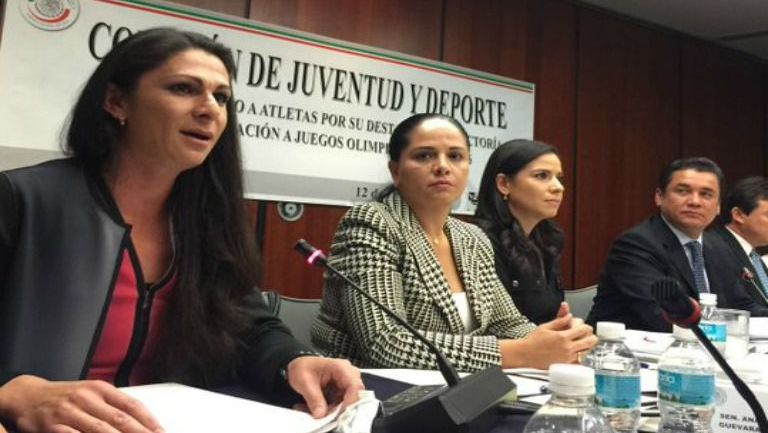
[(757, 263), (697, 265)]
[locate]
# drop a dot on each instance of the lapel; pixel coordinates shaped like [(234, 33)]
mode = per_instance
[(734, 245), (466, 250), (430, 271), (736, 249), (675, 253), (710, 252)]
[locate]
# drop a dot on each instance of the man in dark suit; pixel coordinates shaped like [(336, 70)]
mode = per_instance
[(671, 244), (745, 228)]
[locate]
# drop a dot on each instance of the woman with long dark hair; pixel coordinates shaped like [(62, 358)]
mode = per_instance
[(520, 192), (434, 270), (130, 262)]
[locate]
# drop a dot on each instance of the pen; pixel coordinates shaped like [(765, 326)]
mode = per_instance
[(543, 390)]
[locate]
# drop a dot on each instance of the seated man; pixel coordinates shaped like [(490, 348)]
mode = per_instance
[(744, 229), (671, 244)]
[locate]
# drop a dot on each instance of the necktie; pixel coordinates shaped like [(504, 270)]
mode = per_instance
[(697, 266), (757, 263)]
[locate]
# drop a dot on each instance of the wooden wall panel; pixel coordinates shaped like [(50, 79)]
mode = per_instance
[(551, 65), (488, 36), (533, 41), (401, 25), (628, 129), (411, 27), (283, 269), (723, 117), (236, 8)]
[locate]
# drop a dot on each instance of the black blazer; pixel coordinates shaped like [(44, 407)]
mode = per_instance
[(536, 294), (742, 260), (642, 255)]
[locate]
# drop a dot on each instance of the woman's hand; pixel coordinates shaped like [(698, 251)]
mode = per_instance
[(37, 405), (560, 340), (317, 378)]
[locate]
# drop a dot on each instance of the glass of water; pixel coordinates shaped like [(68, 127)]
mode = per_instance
[(737, 341)]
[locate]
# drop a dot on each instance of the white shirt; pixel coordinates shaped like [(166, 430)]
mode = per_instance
[(743, 242), (462, 305)]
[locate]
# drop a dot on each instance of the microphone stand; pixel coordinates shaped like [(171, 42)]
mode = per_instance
[(747, 275), (739, 384), (682, 310), (466, 405)]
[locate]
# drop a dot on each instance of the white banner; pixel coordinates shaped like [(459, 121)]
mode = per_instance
[(315, 113)]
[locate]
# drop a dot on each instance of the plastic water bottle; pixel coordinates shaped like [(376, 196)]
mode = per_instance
[(571, 409), (686, 386), (712, 322), (617, 377)]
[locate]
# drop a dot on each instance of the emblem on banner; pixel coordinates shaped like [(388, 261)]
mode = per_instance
[(50, 14)]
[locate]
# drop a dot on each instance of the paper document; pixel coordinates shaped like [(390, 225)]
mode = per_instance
[(647, 345), (758, 328), (184, 409)]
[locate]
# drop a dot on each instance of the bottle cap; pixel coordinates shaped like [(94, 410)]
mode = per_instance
[(571, 379), (610, 330), (683, 333), (708, 298)]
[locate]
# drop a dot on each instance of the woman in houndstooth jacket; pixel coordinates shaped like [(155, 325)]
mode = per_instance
[(434, 270)]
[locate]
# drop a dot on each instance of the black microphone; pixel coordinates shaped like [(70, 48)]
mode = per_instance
[(676, 306), (747, 275), (316, 257), (675, 303), (465, 405)]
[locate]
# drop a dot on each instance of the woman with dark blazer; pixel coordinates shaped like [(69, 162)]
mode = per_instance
[(128, 263), (434, 270), (520, 192)]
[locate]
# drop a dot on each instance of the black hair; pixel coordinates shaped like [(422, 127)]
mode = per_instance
[(698, 163), (493, 216), (401, 135), (401, 139), (745, 195), (215, 262)]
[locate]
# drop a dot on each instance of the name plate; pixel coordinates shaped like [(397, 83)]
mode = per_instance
[(732, 414)]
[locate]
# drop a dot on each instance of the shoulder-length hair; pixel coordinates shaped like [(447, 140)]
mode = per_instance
[(493, 216), (215, 263)]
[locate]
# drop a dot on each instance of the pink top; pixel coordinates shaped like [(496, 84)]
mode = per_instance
[(118, 327)]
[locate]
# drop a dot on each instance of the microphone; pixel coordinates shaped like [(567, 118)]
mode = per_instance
[(680, 309), (316, 257), (676, 306), (747, 275), (465, 405)]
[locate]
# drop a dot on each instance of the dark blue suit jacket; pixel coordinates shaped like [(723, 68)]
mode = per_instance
[(649, 251), (741, 260)]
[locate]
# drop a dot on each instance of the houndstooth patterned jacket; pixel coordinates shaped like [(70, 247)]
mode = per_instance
[(382, 247)]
